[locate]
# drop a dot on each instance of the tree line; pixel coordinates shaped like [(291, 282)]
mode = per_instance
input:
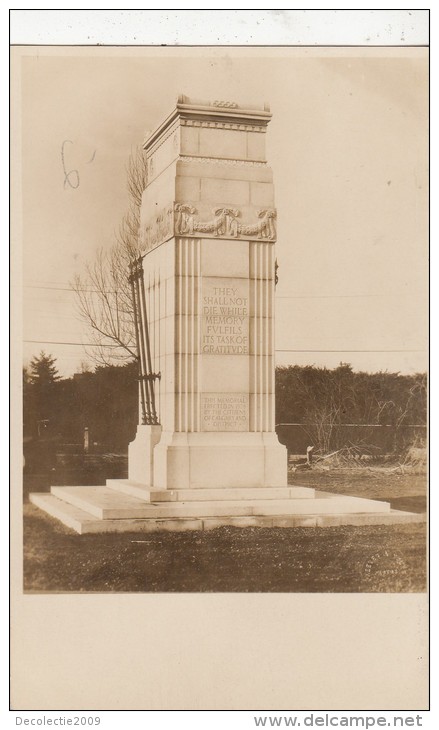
[(332, 405), (59, 409), (322, 399)]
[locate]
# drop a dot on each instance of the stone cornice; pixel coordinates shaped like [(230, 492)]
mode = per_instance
[(221, 114), (158, 141), (232, 161), (223, 124)]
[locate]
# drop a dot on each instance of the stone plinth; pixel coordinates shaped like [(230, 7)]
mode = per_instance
[(141, 454)]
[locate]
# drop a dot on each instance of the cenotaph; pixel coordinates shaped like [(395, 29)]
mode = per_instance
[(206, 452), (208, 231)]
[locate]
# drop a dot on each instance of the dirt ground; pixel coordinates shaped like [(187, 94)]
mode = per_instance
[(306, 560)]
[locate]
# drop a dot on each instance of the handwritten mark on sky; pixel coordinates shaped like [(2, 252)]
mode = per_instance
[(70, 181)]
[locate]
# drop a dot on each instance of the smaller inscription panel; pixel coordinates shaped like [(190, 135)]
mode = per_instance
[(225, 412), (225, 316)]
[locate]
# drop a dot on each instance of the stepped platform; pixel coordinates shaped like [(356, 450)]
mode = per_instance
[(124, 506)]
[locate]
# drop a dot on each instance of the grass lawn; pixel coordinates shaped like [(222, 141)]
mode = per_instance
[(227, 559), (407, 492)]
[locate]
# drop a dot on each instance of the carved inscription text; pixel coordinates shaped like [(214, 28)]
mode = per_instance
[(225, 317), (224, 412)]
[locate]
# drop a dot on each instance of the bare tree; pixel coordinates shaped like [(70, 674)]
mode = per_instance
[(137, 176), (327, 403), (103, 292)]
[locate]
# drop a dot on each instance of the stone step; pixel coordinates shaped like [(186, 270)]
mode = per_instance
[(135, 489), (106, 503), (67, 514), (85, 523)]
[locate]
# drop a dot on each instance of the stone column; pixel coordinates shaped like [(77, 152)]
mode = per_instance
[(208, 230)]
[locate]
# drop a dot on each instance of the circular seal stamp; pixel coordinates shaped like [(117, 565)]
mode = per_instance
[(385, 565)]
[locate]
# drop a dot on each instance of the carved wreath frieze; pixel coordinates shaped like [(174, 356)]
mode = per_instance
[(158, 229), (183, 219), (225, 223)]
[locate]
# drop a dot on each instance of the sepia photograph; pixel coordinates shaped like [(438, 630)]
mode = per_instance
[(222, 267), (225, 320)]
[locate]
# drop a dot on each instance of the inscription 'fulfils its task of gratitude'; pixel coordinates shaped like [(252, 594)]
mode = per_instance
[(225, 322)]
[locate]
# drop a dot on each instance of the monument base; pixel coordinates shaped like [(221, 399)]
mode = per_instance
[(123, 506), (140, 454), (199, 481), (219, 460)]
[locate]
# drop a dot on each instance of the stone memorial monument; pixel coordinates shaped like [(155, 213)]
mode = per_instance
[(208, 231), (206, 452)]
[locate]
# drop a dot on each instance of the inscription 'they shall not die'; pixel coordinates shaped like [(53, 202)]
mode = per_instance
[(225, 322)]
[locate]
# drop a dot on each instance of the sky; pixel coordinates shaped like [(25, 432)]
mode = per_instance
[(348, 144)]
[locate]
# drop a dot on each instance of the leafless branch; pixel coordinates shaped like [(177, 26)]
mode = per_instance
[(103, 291)]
